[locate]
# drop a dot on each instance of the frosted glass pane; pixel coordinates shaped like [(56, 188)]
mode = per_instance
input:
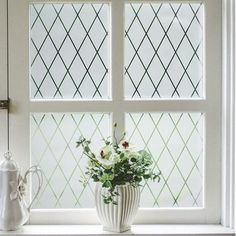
[(175, 141), (69, 51), (164, 50), (53, 148)]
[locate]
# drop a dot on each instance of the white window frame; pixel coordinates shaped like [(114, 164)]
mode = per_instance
[(3, 76), (18, 40), (228, 208)]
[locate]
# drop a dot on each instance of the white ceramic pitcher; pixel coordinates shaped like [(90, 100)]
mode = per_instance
[(14, 212)]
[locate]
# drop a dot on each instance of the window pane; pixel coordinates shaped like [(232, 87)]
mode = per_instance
[(164, 50), (53, 148), (69, 51), (175, 141)]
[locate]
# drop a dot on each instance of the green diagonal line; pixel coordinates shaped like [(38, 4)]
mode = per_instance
[(45, 177), (136, 126), (176, 162), (77, 198), (48, 147), (165, 147), (132, 119), (161, 135), (160, 155), (199, 194), (68, 181), (185, 147), (81, 156), (74, 157), (96, 129), (53, 155), (67, 147), (58, 166)]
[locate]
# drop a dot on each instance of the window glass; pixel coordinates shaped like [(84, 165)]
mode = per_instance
[(53, 148), (69, 51), (175, 141), (164, 50)]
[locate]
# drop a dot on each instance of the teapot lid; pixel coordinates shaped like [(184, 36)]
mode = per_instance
[(8, 164)]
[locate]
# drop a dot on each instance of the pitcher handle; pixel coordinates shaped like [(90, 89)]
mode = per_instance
[(35, 170)]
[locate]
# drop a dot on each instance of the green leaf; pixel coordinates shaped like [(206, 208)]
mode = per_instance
[(107, 184), (86, 149), (95, 178), (147, 176), (137, 179), (122, 155)]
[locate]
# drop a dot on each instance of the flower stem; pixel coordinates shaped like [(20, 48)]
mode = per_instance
[(93, 159)]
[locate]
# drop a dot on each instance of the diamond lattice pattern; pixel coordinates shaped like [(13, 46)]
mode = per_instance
[(175, 141), (164, 50), (53, 148), (69, 51)]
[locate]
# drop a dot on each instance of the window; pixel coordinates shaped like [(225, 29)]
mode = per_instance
[(156, 72)]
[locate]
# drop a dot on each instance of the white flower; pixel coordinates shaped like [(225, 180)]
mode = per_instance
[(115, 158), (106, 152), (124, 145)]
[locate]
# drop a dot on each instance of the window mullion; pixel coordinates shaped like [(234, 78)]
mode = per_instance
[(117, 65)]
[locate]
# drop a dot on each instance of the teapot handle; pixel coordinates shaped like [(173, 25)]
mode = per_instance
[(35, 170)]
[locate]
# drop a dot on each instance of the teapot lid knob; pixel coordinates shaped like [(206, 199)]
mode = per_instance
[(8, 164), (8, 155)]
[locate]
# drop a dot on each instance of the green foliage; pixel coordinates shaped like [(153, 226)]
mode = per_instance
[(116, 164)]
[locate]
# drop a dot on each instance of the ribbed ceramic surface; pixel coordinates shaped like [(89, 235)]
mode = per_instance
[(118, 218)]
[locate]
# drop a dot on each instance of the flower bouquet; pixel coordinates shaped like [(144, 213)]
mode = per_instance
[(117, 164)]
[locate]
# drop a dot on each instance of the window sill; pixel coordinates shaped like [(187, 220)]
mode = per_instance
[(80, 230)]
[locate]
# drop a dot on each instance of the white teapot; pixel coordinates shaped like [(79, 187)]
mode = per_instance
[(14, 212)]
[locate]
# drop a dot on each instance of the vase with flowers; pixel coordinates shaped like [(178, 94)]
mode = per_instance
[(119, 171)]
